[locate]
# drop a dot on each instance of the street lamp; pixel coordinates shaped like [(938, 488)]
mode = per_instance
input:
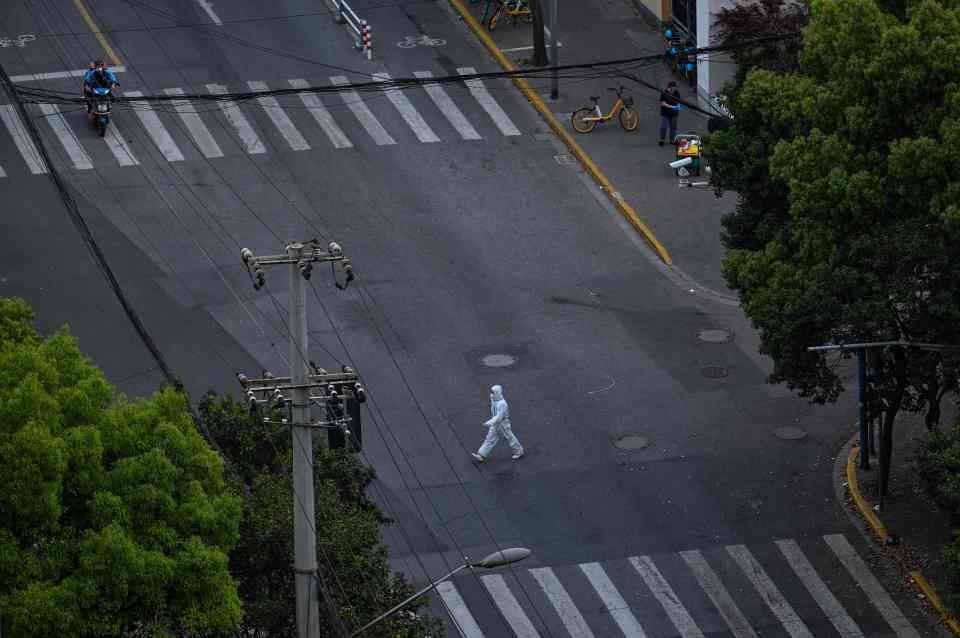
[(496, 559)]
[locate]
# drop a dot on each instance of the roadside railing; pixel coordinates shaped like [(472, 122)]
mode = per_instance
[(363, 38)]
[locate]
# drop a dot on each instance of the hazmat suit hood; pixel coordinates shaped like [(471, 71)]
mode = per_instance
[(496, 393)]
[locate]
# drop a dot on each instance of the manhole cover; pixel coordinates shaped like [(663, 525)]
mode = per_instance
[(714, 372), (789, 433), (631, 442), (564, 160), (714, 336), (498, 360), (543, 137)]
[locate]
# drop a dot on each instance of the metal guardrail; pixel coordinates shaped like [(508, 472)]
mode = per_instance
[(363, 38)]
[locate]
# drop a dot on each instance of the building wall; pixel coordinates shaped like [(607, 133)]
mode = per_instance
[(717, 70)]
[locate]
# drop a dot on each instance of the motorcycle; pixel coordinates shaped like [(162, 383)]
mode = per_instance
[(98, 108)]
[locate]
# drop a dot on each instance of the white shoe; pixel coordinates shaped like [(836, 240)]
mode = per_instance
[(517, 456), (477, 457)]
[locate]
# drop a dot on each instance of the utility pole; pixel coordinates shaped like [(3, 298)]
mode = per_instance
[(554, 51), (295, 393)]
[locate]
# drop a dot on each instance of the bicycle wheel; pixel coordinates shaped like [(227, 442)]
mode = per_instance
[(580, 122), (629, 119)]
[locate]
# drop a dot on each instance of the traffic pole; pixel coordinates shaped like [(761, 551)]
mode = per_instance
[(554, 51)]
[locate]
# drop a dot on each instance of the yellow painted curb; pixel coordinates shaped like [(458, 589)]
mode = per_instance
[(881, 531), (96, 32), (558, 128)]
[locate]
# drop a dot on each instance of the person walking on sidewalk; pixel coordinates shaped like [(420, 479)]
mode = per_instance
[(497, 424), (669, 110)]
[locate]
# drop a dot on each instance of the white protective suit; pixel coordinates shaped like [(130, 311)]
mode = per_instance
[(499, 423)]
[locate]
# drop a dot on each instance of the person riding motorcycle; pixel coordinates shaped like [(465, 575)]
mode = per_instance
[(97, 76)]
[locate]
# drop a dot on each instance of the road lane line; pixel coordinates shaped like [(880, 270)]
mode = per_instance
[(21, 138), (352, 99), (208, 7), (118, 146), (413, 118), (198, 130), (569, 614), (279, 117), (248, 137), (320, 113), (818, 589), (461, 615), (449, 109), (66, 136), (664, 593), (871, 586), (482, 95), (155, 128), (768, 592), (612, 600), (509, 606), (718, 594), (58, 75), (96, 32)]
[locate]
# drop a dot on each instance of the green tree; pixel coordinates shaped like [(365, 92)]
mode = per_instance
[(115, 518), (351, 556), (848, 180)]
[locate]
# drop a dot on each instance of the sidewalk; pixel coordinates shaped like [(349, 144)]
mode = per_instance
[(686, 221)]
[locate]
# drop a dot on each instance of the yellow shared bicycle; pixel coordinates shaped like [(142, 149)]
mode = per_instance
[(585, 119), (516, 10)]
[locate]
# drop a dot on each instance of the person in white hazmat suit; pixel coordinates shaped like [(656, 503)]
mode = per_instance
[(497, 424)]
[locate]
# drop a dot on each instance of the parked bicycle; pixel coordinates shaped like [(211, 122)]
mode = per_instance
[(585, 119), (681, 54), (517, 10)]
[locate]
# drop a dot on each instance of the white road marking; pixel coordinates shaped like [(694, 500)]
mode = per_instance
[(207, 6), (413, 118), (58, 75), (321, 115), (871, 586), (490, 105), (662, 591), (711, 584), (352, 99), (198, 130), (509, 606), (569, 614), (155, 128), (527, 48), (248, 137), (613, 601), (449, 109), (22, 139), (118, 146), (458, 610), (2, 172), (66, 136), (818, 589), (279, 117), (769, 592)]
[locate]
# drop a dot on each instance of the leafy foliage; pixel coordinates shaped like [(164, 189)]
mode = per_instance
[(939, 464), (776, 22), (115, 518)]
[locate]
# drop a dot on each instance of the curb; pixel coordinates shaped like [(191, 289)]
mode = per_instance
[(625, 209), (881, 531)]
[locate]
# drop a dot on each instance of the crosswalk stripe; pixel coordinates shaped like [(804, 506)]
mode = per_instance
[(561, 601), (508, 604), (198, 130), (871, 586), (413, 118), (662, 591), (248, 137), (320, 113), (718, 594), (155, 128), (458, 610), (119, 147), (769, 592), (818, 589), (22, 139), (449, 109), (490, 105), (352, 99), (612, 600), (66, 136), (279, 117)]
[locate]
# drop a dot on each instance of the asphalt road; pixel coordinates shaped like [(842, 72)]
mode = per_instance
[(468, 241)]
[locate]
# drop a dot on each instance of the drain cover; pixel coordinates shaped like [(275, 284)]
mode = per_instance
[(714, 372), (564, 160), (714, 336), (789, 433), (631, 442), (498, 360)]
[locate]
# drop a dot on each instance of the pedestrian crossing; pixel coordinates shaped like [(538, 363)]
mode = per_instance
[(181, 129), (819, 587)]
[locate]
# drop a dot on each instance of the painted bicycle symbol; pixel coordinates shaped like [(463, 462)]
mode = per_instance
[(423, 40), (21, 40)]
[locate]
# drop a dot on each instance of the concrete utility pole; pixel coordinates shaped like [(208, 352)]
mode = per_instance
[(554, 50), (332, 390)]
